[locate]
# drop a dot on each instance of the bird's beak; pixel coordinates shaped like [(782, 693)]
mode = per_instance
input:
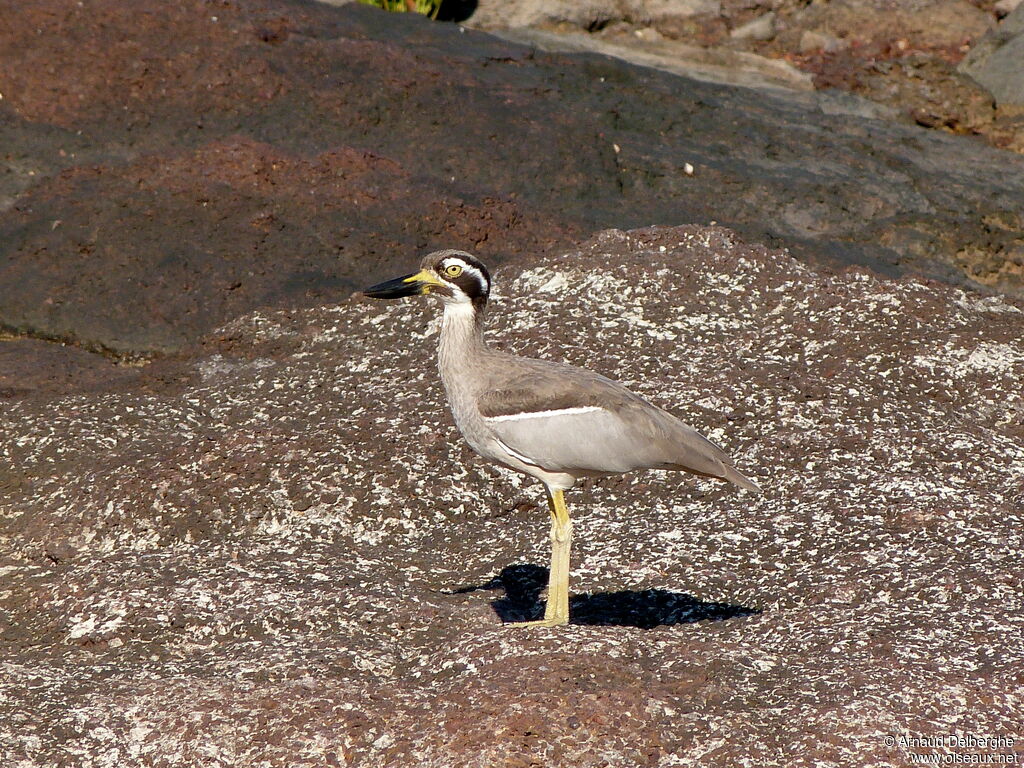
[(409, 285)]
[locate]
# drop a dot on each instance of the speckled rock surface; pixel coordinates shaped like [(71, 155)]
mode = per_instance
[(291, 559)]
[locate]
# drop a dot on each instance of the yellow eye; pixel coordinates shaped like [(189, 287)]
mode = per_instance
[(453, 270)]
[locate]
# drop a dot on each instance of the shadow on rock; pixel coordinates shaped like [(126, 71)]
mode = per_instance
[(646, 609), (456, 10)]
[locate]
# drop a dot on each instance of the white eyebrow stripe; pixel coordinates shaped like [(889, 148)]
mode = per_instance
[(545, 414), (467, 269)]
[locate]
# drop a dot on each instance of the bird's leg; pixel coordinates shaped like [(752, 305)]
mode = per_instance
[(556, 612), (557, 609)]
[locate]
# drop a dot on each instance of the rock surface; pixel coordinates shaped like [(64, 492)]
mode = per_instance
[(997, 62), (269, 547), (269, 154), (584, 14), (759, 28), (716, 65), (289, 558), (902, 55)]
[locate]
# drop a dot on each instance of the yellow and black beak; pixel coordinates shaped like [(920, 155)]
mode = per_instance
[(408, 285)]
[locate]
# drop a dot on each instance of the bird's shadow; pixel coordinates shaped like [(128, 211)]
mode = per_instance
[(646, 609)]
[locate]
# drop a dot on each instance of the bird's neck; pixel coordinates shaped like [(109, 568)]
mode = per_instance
[(462, 337)]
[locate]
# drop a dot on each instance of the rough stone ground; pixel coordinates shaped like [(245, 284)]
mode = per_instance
[(285, 556)]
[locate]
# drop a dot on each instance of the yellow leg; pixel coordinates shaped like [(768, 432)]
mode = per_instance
[(556, 612)]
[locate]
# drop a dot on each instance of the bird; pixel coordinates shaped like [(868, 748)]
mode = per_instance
[(548, 420)]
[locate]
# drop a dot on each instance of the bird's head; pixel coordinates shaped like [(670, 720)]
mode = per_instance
[(456, 277)]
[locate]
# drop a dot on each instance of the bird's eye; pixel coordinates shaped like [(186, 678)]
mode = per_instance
[(453, 270)]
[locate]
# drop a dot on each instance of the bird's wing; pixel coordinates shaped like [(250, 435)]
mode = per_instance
[(565, 419), (538, 385)]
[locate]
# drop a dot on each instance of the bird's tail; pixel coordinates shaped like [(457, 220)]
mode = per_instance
[(734, 476)]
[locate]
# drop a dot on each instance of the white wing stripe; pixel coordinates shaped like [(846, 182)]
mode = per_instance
[(544, 414), (515, 454)]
